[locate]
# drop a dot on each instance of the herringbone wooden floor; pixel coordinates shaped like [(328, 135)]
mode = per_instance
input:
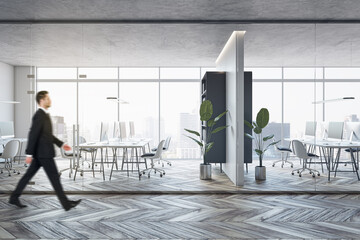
[(183, 176), (174, 216)]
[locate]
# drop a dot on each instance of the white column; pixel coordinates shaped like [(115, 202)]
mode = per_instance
[(231, 61)]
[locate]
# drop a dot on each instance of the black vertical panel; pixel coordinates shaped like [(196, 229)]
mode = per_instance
[(247, 116), (214, 89)]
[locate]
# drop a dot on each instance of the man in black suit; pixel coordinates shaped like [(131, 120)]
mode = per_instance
[(40, 152)]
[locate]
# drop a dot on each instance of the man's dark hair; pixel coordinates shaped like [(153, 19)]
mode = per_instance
[(41, 95)]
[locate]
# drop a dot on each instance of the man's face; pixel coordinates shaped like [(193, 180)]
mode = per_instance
[(46, 101)]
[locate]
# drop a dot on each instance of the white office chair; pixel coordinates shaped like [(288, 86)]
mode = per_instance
[(282, 150), (71, 164), (300, 152), (165, 148), (152, 157), (10, 151)]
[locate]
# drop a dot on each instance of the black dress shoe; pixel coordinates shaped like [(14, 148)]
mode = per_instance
[(72, 204), (17, 203)]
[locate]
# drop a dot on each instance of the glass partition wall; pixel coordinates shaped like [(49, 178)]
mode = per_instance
[(306, 88), (153, 99), (293, 78)]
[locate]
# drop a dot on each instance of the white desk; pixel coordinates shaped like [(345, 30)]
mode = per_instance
[(327, 147), (115, 145)]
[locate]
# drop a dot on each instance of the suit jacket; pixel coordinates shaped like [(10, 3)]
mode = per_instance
[(41, 139)]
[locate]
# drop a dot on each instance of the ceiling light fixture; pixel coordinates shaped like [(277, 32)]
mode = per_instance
[(115, 99), (11, 102), (334, 100)]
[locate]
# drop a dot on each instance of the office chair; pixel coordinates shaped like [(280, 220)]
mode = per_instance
[(282, 150), (67, 156), (300, 152), (10, 151), (92, 151), (165, 148), (152, 157)]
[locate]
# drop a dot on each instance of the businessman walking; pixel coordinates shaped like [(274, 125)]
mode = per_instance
[(40, 152)]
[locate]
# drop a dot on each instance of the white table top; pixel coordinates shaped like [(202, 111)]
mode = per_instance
[(330, 143), (117, 144)]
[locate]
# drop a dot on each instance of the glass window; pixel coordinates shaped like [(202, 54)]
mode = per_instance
[(179, 73), (56, 73), (63, 107), (139, 73), (299, 107), (303, 73), (268, 95), (98, 73), (342, 73), (179, 112), (346, 110), (94, 108), (265, 73), (142, 109)]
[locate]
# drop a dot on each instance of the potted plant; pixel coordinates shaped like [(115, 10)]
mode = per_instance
[(262, 120), (206, 112)]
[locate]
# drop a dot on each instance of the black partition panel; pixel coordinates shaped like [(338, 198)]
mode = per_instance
[(213, 86), (247, 116)]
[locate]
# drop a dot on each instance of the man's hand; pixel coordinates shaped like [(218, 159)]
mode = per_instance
[(67, 147), (28, 160)]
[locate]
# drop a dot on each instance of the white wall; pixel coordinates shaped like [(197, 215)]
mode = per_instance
[(7, 92), (231, 61), (25, 109)]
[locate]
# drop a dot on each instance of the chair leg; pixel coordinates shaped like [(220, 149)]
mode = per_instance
[(304, 168)]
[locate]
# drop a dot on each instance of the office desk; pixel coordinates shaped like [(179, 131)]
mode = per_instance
[(328, 147), (133, 145)]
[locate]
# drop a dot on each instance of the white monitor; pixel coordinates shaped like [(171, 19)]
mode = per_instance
[(132, 129), (335, 130), (116, 133), (7, 130), (352, 131), (310, 129), (104, 132), (122, 130)]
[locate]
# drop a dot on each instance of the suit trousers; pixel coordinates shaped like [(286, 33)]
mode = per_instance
[(51, 172)]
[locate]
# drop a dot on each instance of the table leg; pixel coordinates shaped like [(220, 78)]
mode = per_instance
[(137, 161), (114, 159), (354, 161)]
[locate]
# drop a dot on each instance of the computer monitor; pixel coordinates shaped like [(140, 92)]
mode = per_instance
[(116, 133), (122, 130), (352, 131), (335, 130), (104, 132), (310, 129), (7, 130), (132, 129)]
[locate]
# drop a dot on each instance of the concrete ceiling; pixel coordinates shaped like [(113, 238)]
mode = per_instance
[(177, 44)]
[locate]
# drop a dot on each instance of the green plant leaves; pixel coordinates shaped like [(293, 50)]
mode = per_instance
[(268, 137), (210, 123), (273, 143), (262, 118), (258, 152), (198, 142), (249, 136), (257, 130), (220, 116), (206, 110), (218, 129), (208, 146), (248, 124), (193, 132)]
